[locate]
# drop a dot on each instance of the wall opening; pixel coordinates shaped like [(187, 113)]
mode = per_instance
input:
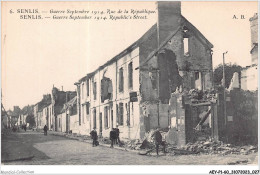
[(130, 75), (121, 79)]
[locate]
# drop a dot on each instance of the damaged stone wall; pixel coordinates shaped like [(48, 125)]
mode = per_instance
[(199, 59), (148, 91), (169, 78), (176, 134)]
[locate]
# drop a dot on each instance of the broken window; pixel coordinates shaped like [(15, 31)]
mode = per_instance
[(186, 46), (198, 83), (106, 89), (88, 87), (130, 75), (95, 90), (169, 77), (121, 79), (94, 118), (197, 75), (121, 114), (106, 116)]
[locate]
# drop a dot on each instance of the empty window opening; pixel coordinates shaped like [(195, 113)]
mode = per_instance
[(106, 116), (130, 75), (95, 90), (106, 89), (197, 75), (87, 87), (186, 46), (121, 80)]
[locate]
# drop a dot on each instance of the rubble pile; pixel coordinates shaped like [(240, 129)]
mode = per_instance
[(147, 142), (217, 147), (203, 146), (198, 95)]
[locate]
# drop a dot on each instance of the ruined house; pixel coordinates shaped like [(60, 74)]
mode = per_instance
[(132, 91), (249, 74)]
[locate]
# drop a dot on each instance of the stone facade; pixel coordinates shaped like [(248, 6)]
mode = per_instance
[(249, 74), (150, 70)]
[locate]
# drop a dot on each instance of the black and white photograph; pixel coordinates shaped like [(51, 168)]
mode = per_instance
[(129, 83)]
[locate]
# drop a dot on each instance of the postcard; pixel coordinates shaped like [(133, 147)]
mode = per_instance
[(137, 83)]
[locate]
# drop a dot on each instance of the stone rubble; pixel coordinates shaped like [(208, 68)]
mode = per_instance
[(199, 147)]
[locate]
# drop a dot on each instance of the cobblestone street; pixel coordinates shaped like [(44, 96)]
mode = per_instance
[(56, 150)]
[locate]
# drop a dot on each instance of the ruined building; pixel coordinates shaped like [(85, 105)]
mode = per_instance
[(249, 74), (132, 91)]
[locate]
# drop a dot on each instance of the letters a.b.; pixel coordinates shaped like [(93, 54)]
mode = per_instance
[(241, 17)]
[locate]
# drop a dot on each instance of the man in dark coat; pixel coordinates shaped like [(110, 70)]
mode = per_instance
[(117, 135), (94, 137), (158, 140), (113, 137), (45, 128)]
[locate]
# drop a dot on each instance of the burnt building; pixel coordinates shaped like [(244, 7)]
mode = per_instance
[(132, 90)]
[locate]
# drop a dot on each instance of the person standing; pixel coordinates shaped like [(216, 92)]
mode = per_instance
[(45, 128), (158, 141), (117, 135), (94, 137), (113, 137)]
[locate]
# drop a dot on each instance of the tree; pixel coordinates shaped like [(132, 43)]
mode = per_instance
[(229, 71)]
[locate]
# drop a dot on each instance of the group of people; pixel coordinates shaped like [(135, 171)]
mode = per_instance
[(114, 137)]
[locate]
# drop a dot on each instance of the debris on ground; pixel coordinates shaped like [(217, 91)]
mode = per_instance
[(218, 147), (205, 145)]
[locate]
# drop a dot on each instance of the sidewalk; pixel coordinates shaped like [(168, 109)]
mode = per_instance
[(14, 149)]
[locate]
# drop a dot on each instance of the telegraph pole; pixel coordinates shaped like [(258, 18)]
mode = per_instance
[(224, 92)]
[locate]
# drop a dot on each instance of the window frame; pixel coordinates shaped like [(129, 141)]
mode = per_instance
[(130, 75), (121, 80)]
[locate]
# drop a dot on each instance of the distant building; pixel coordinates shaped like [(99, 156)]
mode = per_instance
[(40, 111), (132, 90), (59, 98), (249, 74), (25, 112), (66, 119)]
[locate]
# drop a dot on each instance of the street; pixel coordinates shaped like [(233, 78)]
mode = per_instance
[(38, 149)]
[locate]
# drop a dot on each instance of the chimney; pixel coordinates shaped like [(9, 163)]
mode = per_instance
[(168, 19)]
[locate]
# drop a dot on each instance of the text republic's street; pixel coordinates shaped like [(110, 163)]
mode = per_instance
[(33, 148)]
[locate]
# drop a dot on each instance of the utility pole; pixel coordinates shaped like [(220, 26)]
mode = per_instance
[(224, 85)]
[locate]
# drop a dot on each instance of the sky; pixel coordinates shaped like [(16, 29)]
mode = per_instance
[(37, 54)]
